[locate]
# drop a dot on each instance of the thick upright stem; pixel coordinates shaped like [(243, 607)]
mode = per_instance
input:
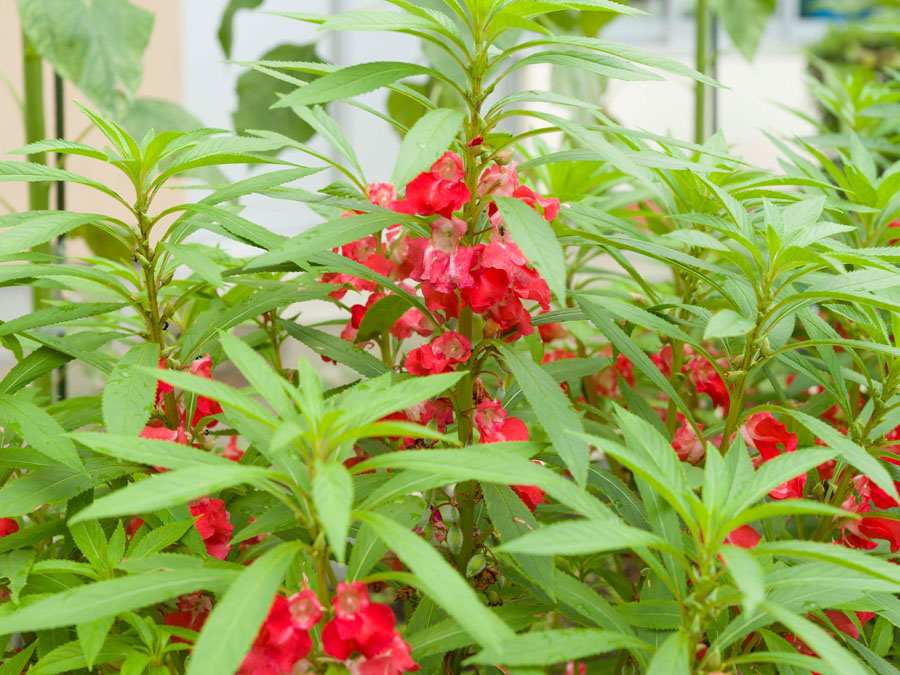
[(702, 65), (38, 192)]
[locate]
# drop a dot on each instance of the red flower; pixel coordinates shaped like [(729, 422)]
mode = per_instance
[(707, 381), (440, 355), (382, 194), (549, 205), (232, 451), (162, 388), (394, 660), (8, 526), (133, 526), (872, 493), (441, 190), (280, 644), (305, 609), (495, 426), (860, 532), (767, 435), (213, 526), (192, 613), (359, 625), (206, 407), (531, 495), (744, 537), (498, 180), (686, 444)]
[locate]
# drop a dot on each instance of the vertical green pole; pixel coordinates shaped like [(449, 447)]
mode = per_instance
[(702, 66), (38, 192)]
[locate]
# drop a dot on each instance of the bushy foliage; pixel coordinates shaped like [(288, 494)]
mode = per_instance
[(618, 402)]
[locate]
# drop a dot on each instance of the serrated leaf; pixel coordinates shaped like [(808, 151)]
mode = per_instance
[(727, 323), (39, 429), (553, 646), (332, 495), (350, 82), (108, 598), (128, 395), (553, 411), (232, 626), (91, 636), (427, 140)]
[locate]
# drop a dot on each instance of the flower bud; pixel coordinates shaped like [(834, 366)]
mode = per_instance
[(449, 513), (454, 539), (476, 564)]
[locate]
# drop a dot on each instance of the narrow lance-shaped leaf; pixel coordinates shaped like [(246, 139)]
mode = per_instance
[(535, 237), (232, 626), (427, 140), (552, 410), (39, 429), (333, 498), (129, 392)]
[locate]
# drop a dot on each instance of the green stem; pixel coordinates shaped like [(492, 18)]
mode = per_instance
[(38, 192), (702, 59)]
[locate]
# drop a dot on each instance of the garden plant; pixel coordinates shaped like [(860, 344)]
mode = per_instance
[(615, 402)]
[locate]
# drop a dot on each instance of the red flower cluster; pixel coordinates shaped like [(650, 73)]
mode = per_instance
[(367, 628), (284, 637)]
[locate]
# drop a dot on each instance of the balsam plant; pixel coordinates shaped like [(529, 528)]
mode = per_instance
[(619, 403)]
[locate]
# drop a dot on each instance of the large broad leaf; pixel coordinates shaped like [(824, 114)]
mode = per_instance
[(553, 411), (98, 45), (108, 598), (535, 237), (233, 624), (441, 582), (39, 429), (130, 390), (427, 140), (170, 489), (332, 495)]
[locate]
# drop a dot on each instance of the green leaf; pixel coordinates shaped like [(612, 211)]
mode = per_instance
[(91, 541), (226, 28), (108, 598), (554, 646), (91, 636), (61, 146), (585, 537), (746, 573), (257, 91), (232, 626), (745, 21), (149, 451), (368, 549), (15, 566), (195, 259), (855, 455), (170, 489), (39, 429), (491, 463), (371, 400), (553, 411), (52, 316), (440, 581), (380, 316), (31, 172), (159, 538), (512, 519), (332, 495), (16, 664), (425, 142), (672, 657), (39, 227), (535, 237), (39, 362), (324, 237), (335, 348), (727, 323), (350, 82), (97, 45), (652, 614), (130, 391)]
